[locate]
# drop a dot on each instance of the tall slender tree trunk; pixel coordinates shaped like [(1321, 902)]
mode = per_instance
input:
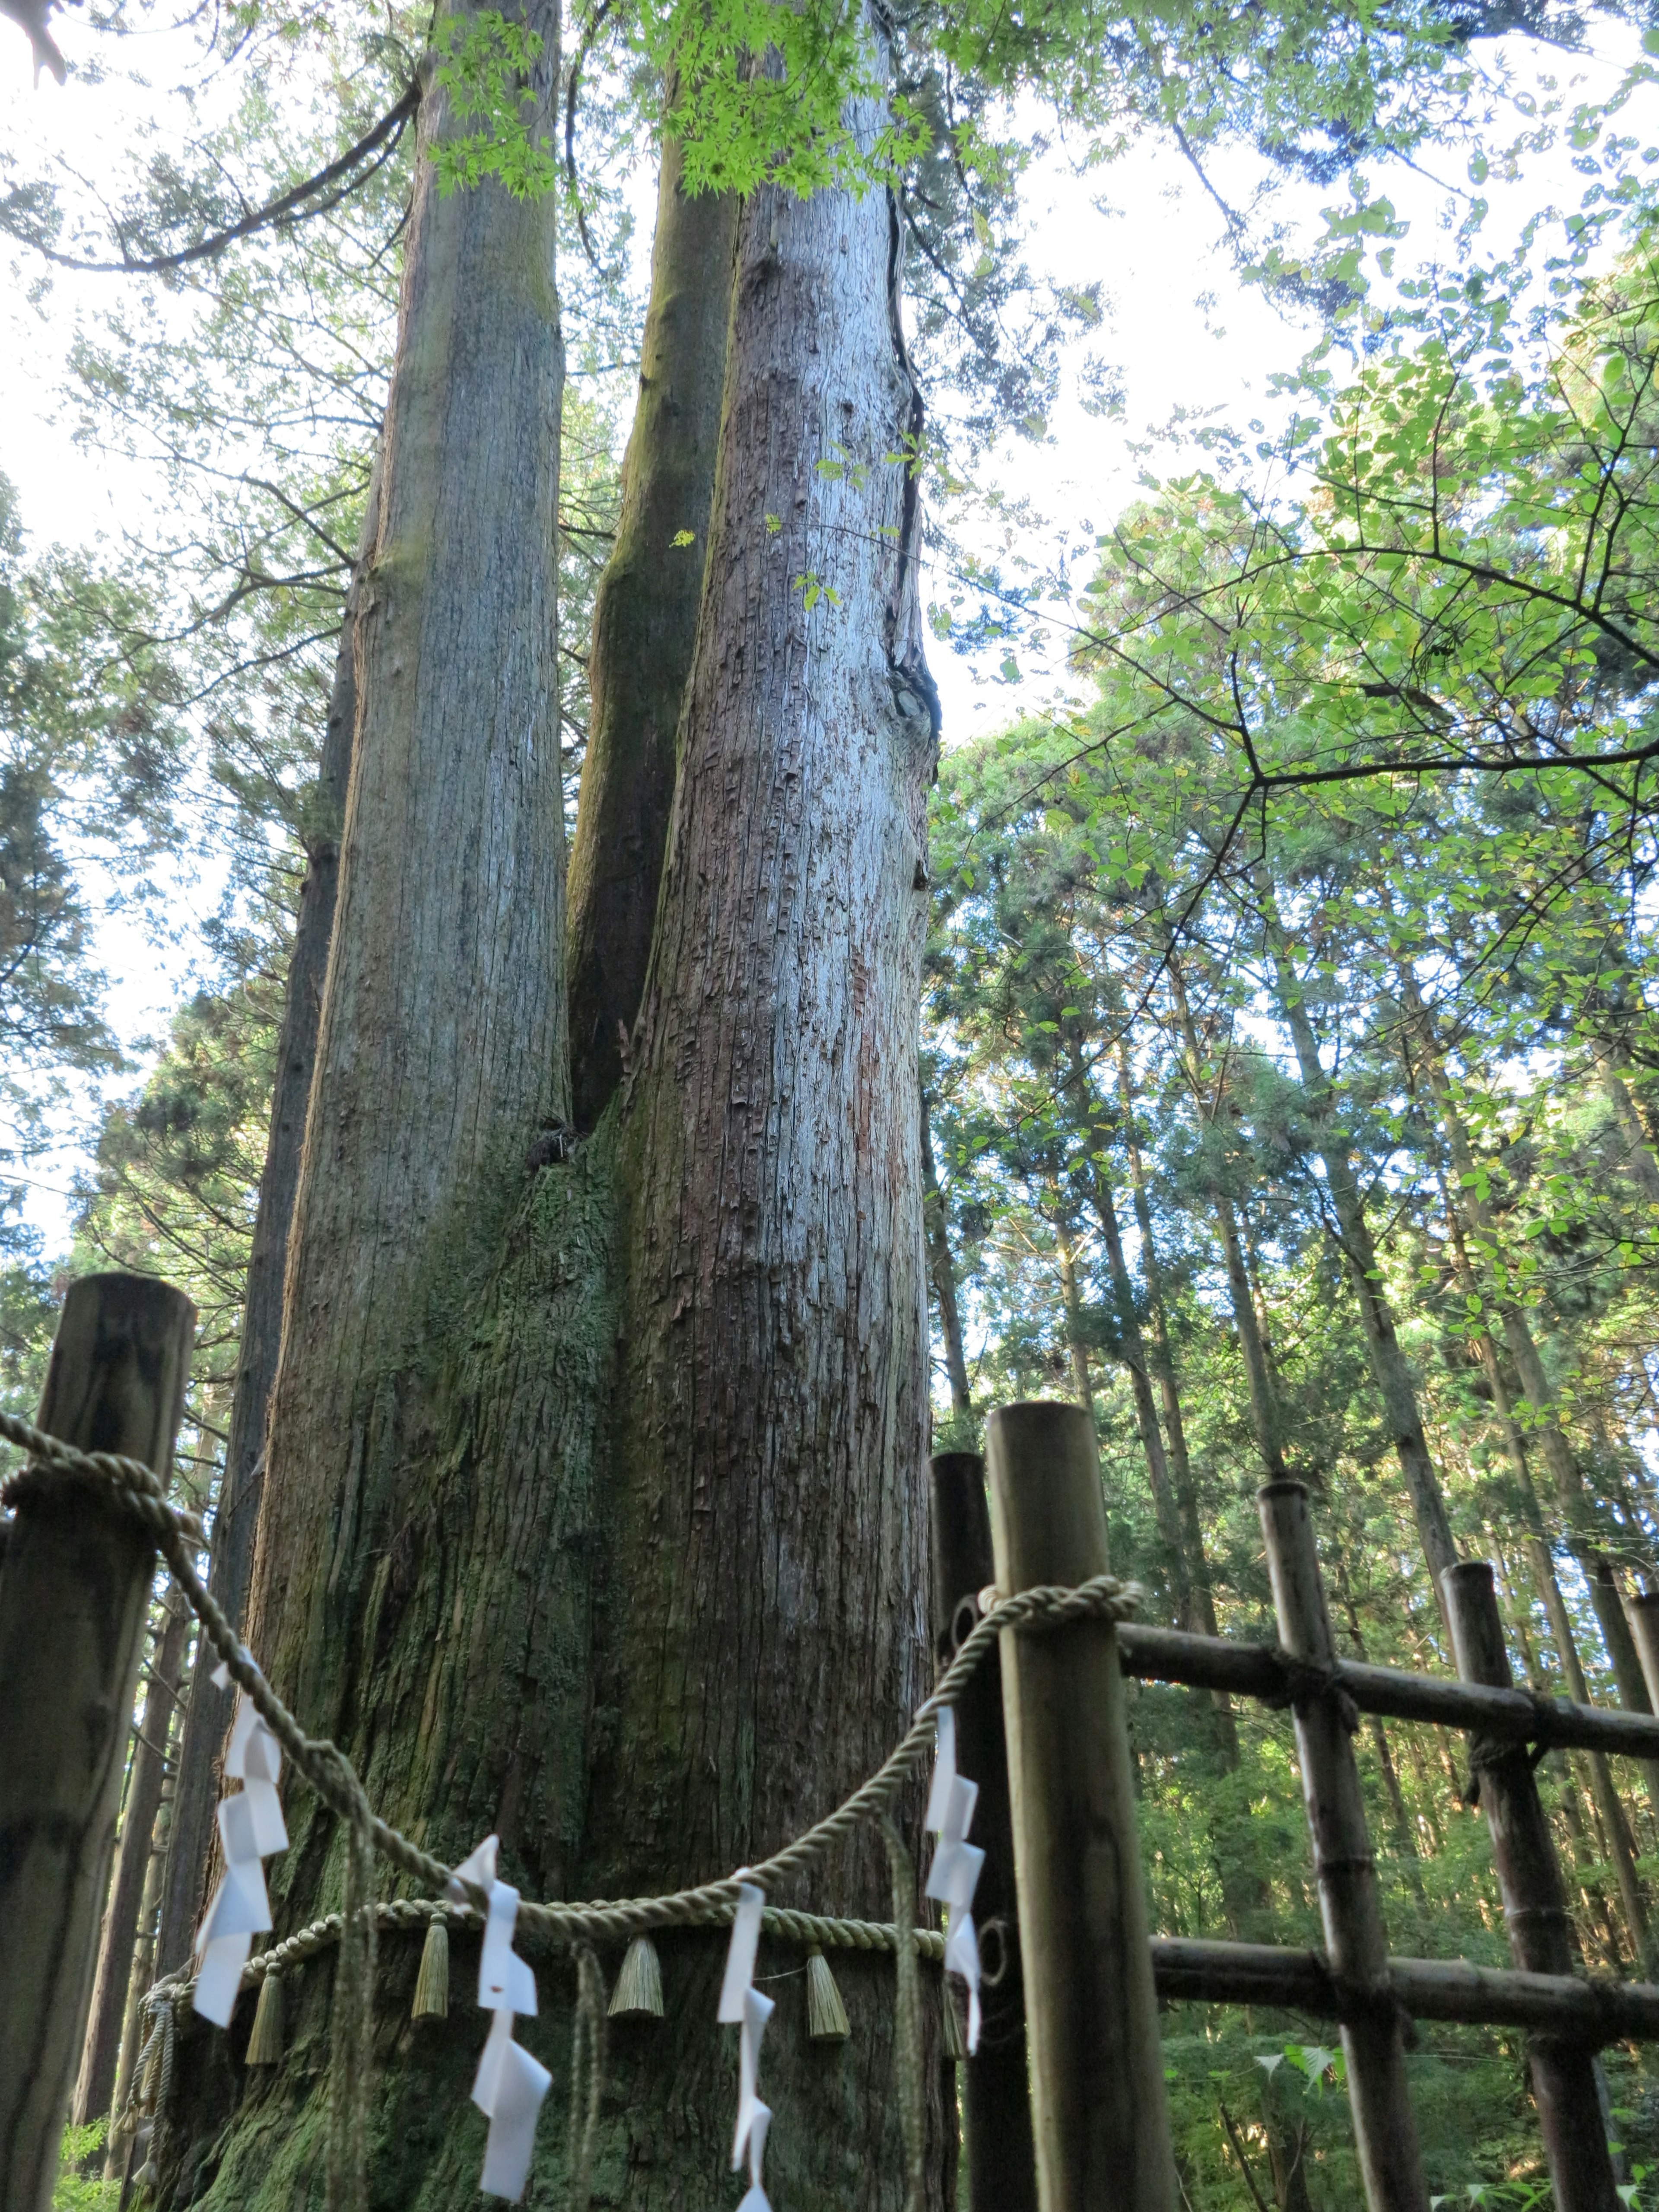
[(1165, 1505), (1620, 1845), (1076, 1349), (1404, 1829), (942, 1270), (645, 620), (1395, 1383), (138, 1982), (241, 1482), (1640, 1161), (1567, 1480), (442, 1044), (133, 1846), (1244, 1895), (1162, 1360), (1265, 1421)]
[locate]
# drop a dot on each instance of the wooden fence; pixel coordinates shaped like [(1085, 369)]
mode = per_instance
[(1077, 2146), (1065, 2100)]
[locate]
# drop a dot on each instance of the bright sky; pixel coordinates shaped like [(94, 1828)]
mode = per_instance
[(1184, 333)]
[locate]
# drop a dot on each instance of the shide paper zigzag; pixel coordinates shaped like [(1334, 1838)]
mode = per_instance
[(954, 1875), (742, 2005), (251, 1827), (509, 2085)]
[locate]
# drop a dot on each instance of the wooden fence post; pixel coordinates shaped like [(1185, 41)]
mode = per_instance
[(1100, 2115), (996, 2086), (1534, 1906), (74, 1596), (1384, 2124)]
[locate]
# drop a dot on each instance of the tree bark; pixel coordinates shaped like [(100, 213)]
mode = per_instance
[(207, 1708), (644, 619), (768, 1503), (133, 1845), (944, 1275), (621, 1550), (441, 1042)]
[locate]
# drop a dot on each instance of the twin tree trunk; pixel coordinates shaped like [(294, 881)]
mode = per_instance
[(594, 1510), (262, 1303)]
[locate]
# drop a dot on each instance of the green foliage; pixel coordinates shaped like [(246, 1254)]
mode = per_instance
[(484, 63), (78, 2191)]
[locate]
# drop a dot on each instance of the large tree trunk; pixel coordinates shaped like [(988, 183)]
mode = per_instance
[(424, 1506), (595, 1511), (767, 1511), (442, 1041), (241, 1481), (148, 1772), (645, 620)]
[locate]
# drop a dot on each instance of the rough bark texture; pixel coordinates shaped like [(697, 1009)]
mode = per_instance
[(418, 1585), (748, 1551), (96, 2083), (240, 1484), (442, 1044), (645, 621), (762, 1630)]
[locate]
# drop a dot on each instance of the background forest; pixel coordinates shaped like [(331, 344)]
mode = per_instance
[(1290, 1018)]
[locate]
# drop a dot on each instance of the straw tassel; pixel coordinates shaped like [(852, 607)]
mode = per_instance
[(264, 2045), (638, 1992), (431, 1984), (826, 2015), (955, 2047)]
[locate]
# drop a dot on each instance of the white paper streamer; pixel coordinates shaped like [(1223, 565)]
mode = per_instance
[(251, 1827), (741, 1954), (509, 2085), (954, 1875), (743, 2004)]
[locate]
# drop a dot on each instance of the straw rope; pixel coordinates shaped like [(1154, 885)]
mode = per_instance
[(137, 1489)]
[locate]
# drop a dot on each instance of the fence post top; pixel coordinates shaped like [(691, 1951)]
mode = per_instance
[(958, 1466), (1284, 1485), (1473, 1571)]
